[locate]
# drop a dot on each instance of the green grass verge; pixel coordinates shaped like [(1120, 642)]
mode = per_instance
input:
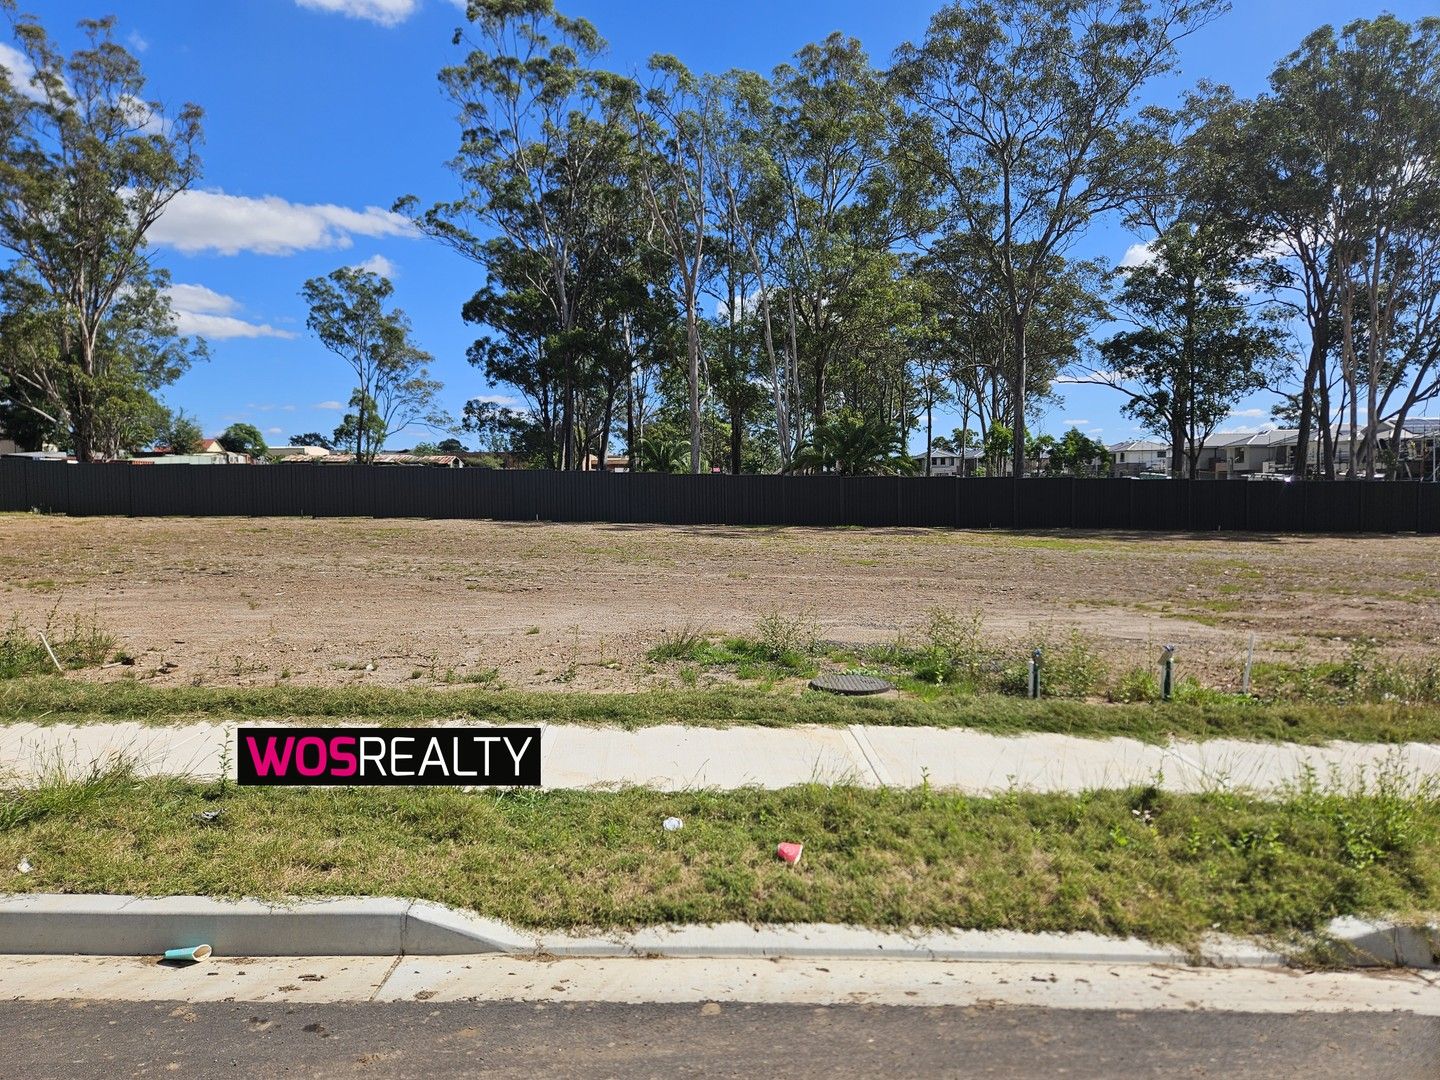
[(55, 700), (1165, 867)]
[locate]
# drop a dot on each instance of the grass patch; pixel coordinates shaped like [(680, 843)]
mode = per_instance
[(1160, 866), (1192, 715), (782, 647), (80, 643), (1363, 676)]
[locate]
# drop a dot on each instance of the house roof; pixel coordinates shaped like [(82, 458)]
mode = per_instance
[(1137, 444), (972, 454), (1267, 437), (380, 459)]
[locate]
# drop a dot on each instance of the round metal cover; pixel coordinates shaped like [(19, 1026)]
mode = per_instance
[(850, 684)]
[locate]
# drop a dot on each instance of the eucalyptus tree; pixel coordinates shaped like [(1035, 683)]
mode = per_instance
[(1337, 167), (542, 156), (968, 306), (674, 122), (1197, 343), (88, 165), (750, 194), (1388, 75), (845, 204), (349, 314), (1034, 128)]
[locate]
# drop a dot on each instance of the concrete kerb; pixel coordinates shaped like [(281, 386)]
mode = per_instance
[(97, 925)]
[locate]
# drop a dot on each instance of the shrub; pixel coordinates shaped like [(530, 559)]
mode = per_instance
[(786, 639), (1071, 668), (1135, 685), (955, 651)]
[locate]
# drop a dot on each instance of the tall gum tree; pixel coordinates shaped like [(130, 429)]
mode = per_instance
[(1034, 128), (88, 165), (536, 165)]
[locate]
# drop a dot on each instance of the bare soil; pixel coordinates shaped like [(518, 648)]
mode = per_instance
[(225, 601)]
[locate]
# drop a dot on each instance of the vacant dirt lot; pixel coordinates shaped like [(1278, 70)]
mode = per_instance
[(333, 602)]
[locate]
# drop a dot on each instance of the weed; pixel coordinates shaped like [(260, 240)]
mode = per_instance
[(955, 652), (1135, 685), (783, 638), (686, 643), (80, 643)]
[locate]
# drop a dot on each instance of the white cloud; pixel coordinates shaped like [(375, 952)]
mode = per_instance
[(137, 41), (379, 264), (229, 224), (1077, 423), (384, 12), (203, 312), (335, 405), (21, 71), (202, 300), (1138, 255), (274, 431), (145, 119), (1250, 414)]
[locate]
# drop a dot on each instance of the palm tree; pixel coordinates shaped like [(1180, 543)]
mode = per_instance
[(854, 445), (665, 454)]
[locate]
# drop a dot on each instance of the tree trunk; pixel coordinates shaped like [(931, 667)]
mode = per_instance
[(1319, 347), (692, 344), (1017, 394), (929, 431)]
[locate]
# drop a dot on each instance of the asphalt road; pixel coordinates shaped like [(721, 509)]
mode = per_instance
[(434, 1041)]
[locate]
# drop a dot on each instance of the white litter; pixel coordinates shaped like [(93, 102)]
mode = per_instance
[(673, 824), (24, 866)]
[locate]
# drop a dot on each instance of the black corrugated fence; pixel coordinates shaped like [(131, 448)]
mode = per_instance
[(1313, 506)]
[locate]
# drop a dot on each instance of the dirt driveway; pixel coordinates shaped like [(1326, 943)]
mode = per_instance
[(336, 602)]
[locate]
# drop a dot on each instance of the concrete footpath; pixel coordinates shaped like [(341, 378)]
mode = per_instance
[(1088, 986), (675, 758)]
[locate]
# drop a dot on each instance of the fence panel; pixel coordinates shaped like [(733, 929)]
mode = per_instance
[(44, 485), (870, 500), (1331, 506), (12, 486), (1387, 506), (719, 499), (1047, 502), (102, 489), (926, 501), (1428, 511), (985, 502)]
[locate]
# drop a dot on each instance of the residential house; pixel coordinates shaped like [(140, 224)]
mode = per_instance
[(438, 461), (950, 462), (298, 451), (1137, 456)]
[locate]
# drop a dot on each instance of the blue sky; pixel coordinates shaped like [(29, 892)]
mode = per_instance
[(320, 113)]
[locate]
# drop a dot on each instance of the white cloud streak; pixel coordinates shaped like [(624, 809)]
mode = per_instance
[(17, 65), (212, 221), (383, 12), (203, 312)]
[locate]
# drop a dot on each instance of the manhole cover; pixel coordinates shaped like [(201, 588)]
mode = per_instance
[(850, 684)]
